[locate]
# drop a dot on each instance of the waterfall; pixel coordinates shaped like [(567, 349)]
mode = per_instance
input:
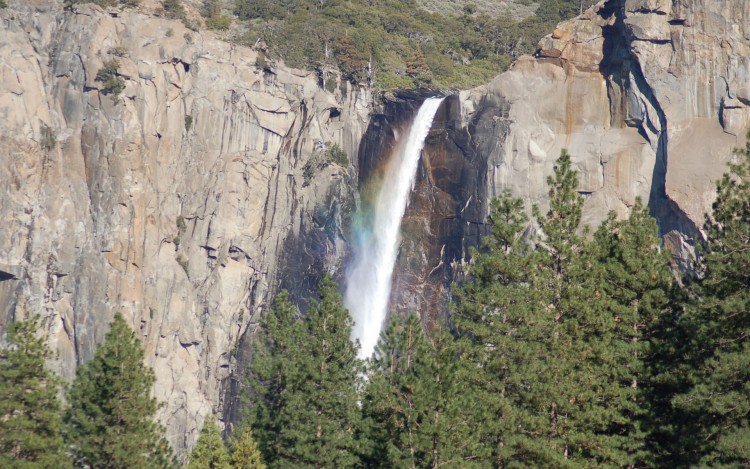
[(368, 281)]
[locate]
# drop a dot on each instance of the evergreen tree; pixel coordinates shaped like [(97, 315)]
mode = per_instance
[(415, 410), (30, 424), (209, 451), (109, 423), (559, 249), (418, 68), (712, 413), (245, 451), (503, 327), (619, 296), (271, 371), (306, 409)]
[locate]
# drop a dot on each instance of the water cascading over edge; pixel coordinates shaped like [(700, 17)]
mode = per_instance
[(368, 281)]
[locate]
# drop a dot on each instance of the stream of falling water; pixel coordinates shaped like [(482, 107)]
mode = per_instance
[(368, 281)]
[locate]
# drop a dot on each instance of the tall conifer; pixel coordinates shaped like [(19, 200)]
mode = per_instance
[(210, 451), (272, 370), (110, 419), (712, 413), (500, 319), (416, 411), (306, 409), (621, 291), (245, 451), (30, 424)]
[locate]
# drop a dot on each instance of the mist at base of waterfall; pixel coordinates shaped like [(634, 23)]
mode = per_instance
[(368, 279)]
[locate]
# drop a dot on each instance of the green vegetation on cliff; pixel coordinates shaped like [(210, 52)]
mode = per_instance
[(395, 43)]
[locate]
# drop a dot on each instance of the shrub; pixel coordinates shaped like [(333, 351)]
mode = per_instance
[(173, 9), (218, 23), (188, 126), (118, 51), (335, 154), (49, 137), (109, 76), (105, 3), (318, 161)]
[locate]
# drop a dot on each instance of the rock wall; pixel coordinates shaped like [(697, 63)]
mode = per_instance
[(171, 203), (649, 97), (184, 203)]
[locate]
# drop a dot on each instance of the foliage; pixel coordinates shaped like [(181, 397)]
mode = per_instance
[(304, 377), (209, 451), (48, 137), (213, 17), (270, 372), (30, 425), (107, 3), (374, 41), (173, 9), (503, 328), (620, 296), (245, 452), (710, 421), (218, 23), (109, 76), (414, 406), (109, 422), (351, 62), (118, 51), (333, 154), (567, 327)]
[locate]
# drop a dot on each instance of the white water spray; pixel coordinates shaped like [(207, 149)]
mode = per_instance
[(368, 283)]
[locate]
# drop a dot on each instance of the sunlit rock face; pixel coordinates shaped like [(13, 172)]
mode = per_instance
[(649, 98), (186, 205), (172, 204)]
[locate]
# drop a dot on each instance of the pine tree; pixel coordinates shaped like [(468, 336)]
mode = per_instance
[(270, 373), (209, 451), (619, 296), (417, 67), (559, 249), (109, 423), (30, 424), (502, 327), (712, 413), (305, 412), (245, 452), (415, 410)]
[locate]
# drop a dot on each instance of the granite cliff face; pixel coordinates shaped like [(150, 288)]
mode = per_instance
[(185, 204), (171, 203), (649, 97)]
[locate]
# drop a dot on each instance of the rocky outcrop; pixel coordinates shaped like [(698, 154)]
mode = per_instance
[(171, 203), (649, 97)]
